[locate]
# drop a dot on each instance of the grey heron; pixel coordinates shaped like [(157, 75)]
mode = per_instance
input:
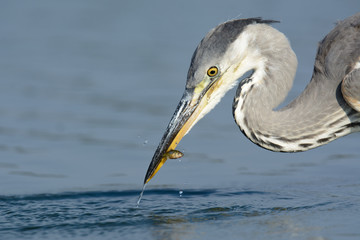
[(327, 109)]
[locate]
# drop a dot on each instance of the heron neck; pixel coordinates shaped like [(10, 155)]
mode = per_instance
[(314, 118)]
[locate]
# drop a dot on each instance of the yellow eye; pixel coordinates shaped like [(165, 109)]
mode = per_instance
[(212, 72)]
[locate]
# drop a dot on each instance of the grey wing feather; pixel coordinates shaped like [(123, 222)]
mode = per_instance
[(337, 56), (340, 49), (350, 88)]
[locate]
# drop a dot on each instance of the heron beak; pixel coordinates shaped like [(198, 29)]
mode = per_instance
[(179, 125), (186, 115)]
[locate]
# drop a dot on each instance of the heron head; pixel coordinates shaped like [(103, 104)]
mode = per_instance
[(217, 63)]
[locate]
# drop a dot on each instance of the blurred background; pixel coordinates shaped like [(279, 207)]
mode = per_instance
[(87, 89)]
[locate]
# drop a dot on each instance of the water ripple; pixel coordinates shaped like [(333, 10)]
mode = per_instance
[(98, 211), (70, 195)]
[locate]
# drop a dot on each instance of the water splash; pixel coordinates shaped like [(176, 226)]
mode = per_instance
[(141, 194), (181, 193)]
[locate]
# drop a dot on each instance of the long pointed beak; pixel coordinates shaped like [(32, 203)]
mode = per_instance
[(183, 119), (194, 104)]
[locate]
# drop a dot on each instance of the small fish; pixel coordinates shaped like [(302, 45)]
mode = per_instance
[(173, 154)]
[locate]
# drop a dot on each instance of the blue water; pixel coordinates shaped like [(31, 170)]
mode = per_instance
[(195, 214), (86, 91)]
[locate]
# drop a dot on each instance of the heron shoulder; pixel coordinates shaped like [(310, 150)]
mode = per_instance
[(339, 51)]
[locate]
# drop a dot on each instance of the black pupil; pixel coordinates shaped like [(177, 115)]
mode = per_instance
[(212, 72)]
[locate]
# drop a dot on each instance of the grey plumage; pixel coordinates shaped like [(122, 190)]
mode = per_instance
[(320, 113), (350, 88), (327, 109), (214, 45)]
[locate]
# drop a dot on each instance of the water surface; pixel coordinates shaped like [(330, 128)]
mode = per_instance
[(86, 91)]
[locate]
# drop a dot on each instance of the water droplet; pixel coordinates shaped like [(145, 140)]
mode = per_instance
[(180, 193), (145, 142), (141, 194)]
